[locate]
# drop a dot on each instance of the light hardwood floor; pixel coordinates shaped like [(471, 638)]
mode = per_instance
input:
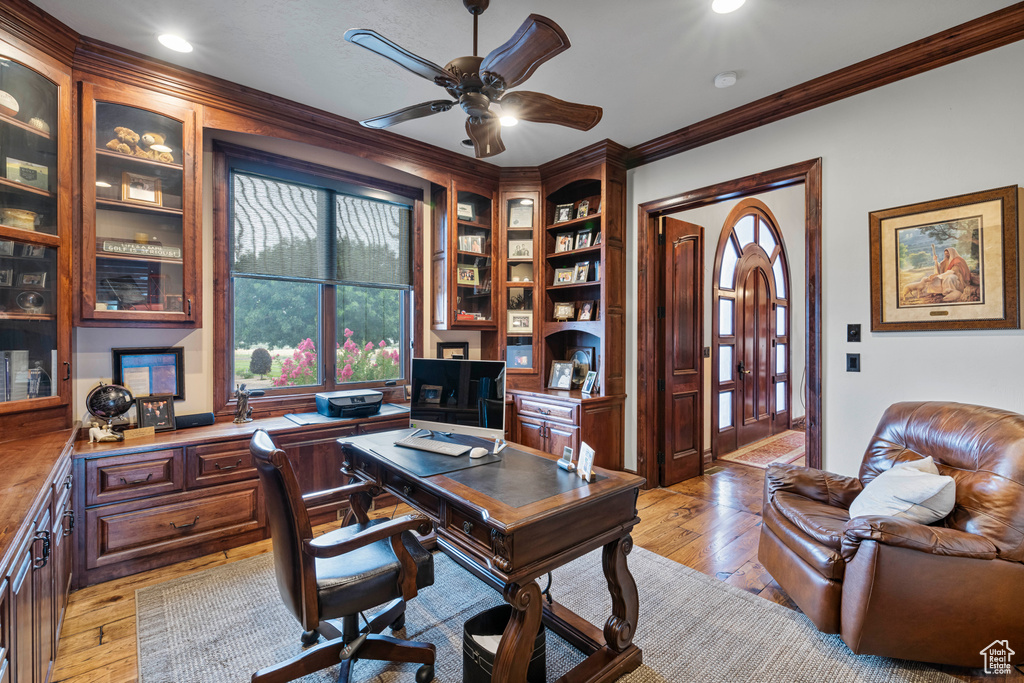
[(710, 523)]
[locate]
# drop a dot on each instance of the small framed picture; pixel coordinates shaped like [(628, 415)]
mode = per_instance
[(467, 275), (520, 356), (453, 349), (520, 216), (147, 371), (585, 465), (157, 411), (586, 310), (563, 242), (520, 249), (597, 271), (564, 310), (582, 270), (561, 375), (563, 213), (563, 276), (597, 239), (581, 211), (430, 393), (465, 211), (141, 189), (588, 383), (465, 242), (6, 248), (7, 277), (37, 280), (33, 251), (520, 322), (583, 238)]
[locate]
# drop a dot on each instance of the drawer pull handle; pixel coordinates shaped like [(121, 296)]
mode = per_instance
[(70, 516), (407, 490), (467, 526), (227, 467), (40, 562), (136, 482), (185, 526)]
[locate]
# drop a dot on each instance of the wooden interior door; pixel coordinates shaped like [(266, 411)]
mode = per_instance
[(682, 354), (753, 370)]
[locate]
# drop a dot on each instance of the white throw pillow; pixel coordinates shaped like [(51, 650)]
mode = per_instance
[(912, 490)]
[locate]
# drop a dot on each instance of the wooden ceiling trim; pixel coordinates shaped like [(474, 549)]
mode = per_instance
[(985, 33), (36, 29), (605, 150)]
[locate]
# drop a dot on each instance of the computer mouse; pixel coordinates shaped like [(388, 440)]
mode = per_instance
[(479, 452)]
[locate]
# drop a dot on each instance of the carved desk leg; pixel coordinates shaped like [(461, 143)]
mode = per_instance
[(621, 625), (516, 647)]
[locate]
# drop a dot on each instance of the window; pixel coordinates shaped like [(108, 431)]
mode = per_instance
[(316, 259)]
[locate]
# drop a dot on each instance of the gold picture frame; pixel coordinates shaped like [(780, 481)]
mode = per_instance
[(141, 189)]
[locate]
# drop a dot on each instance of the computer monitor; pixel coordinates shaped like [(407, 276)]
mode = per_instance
[(458, 396)]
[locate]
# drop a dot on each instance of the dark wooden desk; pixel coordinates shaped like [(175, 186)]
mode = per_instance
[(508, 547)]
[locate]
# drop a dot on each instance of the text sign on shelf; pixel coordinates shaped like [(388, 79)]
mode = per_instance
[(136, 249)]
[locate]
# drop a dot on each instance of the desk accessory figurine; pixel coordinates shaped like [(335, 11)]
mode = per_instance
[(585, 466), (565, 462), (243, 413)]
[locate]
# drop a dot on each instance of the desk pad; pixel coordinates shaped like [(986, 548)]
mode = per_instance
[(519, 479), (424, 463)]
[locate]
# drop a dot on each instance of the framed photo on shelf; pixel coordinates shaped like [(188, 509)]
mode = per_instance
[(597, 271), (581, 211), (465, 212), (583, 238), (561, 375), (520, 322), (453, 349), (585, 465), (563, 276), (6, 248), (34, 280), (581, 271), (520, 249), (156, 411), (520, 216), (563, 242), (140, 189), (147, 371), (586, 311), (947, 264), (430, 393), (563, 213), (582, 358), (520, 356), (7, 277), (521, 272), (588, 383), (564, 310), (467, 275), (597, 239), (33, 250)]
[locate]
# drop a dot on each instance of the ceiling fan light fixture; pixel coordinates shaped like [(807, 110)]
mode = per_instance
[(726, 6), (507, 121), (174, 42)]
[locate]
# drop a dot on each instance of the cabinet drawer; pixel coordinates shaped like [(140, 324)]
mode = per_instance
[(127, 531), (123, 477), (219, 463), (461, 523), (548, 411), (413, 494)]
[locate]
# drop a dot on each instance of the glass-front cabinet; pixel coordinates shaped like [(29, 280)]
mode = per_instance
[(35, 214), (520, 218), (140, 227), (472, 269)]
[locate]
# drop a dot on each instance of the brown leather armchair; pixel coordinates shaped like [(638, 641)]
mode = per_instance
[(341, 573), (938, 593)]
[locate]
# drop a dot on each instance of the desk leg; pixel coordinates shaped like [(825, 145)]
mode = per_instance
[(516, 646), (621, 625)]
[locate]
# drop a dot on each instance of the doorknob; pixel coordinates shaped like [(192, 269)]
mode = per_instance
[(741, 369)]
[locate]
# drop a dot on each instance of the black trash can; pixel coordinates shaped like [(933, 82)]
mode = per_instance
[(478, 661)]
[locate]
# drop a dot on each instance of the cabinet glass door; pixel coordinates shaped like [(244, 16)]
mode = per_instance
[(520, 283), (28, 333), (474, 259)]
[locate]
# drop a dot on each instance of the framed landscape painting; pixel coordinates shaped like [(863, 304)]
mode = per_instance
[(949, 264)]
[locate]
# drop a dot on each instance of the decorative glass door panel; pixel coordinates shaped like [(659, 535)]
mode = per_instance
[(520, 283), (474, 259), (28, 311)]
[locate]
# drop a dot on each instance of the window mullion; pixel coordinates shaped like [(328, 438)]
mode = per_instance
[(329, 305)]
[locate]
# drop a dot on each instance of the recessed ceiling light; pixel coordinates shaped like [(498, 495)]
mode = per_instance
[(100, 183), (725, 79), (176, 43), (526, 202), (508, 121), (160, 148), (726, 6)]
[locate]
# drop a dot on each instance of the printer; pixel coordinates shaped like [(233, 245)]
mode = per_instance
[(354, 403)]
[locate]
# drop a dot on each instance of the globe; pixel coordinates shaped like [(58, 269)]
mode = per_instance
[(109, 401)]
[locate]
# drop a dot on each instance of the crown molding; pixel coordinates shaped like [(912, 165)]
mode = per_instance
[(31, 26), (606, 151), (979, 35)]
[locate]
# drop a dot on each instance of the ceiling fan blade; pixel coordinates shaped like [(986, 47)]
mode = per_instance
[(537, 40), (375, 42), (416, 111), (541, 108), (486, 136)]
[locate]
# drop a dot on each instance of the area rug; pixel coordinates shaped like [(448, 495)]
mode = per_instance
[(222, 624), (784, 447)]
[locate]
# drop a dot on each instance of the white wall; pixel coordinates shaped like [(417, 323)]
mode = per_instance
[(788, 207), (945, 132)]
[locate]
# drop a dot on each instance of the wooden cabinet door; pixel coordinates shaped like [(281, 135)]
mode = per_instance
[(531, 433), (560, 436), (5, 634), (63, 526), (21, 616), (42, 598)]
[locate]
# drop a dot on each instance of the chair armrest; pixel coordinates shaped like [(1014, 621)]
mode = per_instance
[(824, 487), (340, 494), (318, 547), (903, 533)]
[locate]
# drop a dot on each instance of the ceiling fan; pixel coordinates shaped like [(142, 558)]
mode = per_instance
[(478, 82)]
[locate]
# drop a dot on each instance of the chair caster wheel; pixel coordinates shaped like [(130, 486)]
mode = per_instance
[(425, 673), (399, 623), (309, 638)]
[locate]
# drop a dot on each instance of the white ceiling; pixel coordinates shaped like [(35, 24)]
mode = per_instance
[(648, 63)]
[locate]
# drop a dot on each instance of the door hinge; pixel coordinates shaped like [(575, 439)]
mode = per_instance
[(661, 385), (661, 457), (661, 312)]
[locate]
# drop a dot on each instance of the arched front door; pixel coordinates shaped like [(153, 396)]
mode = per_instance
[(750, 329)]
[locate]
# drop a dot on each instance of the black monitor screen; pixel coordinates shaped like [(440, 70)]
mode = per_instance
[(463, 396)]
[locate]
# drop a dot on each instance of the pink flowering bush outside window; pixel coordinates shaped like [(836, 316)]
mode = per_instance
[(356, 363)]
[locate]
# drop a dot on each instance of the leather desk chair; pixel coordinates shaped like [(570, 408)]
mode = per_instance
[(340, 574), (891, 586)]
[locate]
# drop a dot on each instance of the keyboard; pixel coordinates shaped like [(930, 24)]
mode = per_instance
[(439, 447)]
